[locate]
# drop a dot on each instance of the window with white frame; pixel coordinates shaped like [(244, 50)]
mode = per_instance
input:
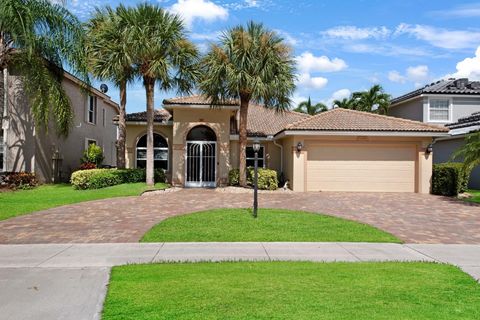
[(160, 152), (92, 110), (88, 142), (2, 151), (104, 117), (439, 110), (251, 157)]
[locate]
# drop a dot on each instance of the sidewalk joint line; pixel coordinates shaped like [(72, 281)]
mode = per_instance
[(353, 254), (424, 254), (56, 254), (156, 253), (266, 252)]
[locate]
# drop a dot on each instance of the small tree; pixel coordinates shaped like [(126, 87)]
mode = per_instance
[(470, 151), (371, 98), (93, 154), (309, 108)]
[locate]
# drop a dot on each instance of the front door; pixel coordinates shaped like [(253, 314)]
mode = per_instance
[(201, 164)]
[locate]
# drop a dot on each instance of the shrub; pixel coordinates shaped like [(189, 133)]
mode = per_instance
[(20, 180), (449, 179), (101, 178), (87, 166), (93, 154), (267, 178)]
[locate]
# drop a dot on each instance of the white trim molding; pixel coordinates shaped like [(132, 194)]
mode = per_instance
[(360, 133)]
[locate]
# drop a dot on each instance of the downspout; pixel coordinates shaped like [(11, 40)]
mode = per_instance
[(281, 153)]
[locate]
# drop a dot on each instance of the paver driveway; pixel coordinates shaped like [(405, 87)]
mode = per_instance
[(412, 217)]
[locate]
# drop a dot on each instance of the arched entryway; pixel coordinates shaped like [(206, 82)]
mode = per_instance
[(201, 157)]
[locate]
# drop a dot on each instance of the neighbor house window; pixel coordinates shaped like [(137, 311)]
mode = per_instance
[(2, 151), (160, 152), (88, 142), (439, 110), (104, 119), (92, 109), (251, 157)]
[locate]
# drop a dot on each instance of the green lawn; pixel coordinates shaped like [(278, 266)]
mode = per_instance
[(22, 202), (476, 196), (230, 225), (291, 290)]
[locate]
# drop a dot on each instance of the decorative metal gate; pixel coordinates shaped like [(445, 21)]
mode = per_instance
[(201, 164)]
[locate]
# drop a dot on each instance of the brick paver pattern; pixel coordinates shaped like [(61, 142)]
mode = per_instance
[(414, 218)]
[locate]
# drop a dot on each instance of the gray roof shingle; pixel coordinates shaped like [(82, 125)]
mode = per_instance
[(465, 122)]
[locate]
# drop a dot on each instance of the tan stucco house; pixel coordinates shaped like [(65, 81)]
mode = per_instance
[(337, 150), (24, 147)]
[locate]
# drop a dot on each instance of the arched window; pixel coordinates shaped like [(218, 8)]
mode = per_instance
[(160, 152), (201, 133)]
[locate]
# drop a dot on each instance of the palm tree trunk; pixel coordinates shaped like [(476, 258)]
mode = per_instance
[(149, 87), (122, 127), (244, 100)]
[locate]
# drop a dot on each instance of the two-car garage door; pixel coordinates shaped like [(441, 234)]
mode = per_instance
[(360, 167)]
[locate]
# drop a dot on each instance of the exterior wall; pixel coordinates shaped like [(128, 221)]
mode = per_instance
[(297, 160), (32, 149), (443, 151), (184, 120), (272, 155), (136, 131), (412, 109)]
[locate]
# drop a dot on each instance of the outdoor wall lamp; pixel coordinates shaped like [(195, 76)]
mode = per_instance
[(299, 147), (256, 146), (429, 149)]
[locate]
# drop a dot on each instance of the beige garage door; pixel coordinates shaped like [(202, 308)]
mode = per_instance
[(365, 167)]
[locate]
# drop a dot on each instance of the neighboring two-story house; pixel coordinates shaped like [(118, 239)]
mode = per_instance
[(452, 103), (23, 147)]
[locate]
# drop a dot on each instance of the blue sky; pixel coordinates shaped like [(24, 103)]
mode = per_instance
[(340, 46)]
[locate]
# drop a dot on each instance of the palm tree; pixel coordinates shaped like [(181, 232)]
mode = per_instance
[(470, 151), (249, 64), (372, 100), (38, 37), (345, 103), (161, 55), (110, 59), (309, 108)]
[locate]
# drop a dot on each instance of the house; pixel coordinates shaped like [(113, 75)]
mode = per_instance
[(451, 103), (337, 150), (23, 147)]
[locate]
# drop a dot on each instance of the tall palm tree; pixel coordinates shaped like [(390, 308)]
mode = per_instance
[(249, 64), (470, 151), (345, 103), (110, 59), (372, 100), (309, 108), (39, 37), (161, 54)]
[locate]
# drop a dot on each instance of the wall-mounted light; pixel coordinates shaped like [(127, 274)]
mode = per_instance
[(256, 145), (429, 149), (299, 147)]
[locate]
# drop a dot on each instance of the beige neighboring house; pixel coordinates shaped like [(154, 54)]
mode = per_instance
[(23, 147), (337, 150)]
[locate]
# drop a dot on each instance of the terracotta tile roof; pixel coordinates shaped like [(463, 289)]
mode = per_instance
[(160, 115), (263, 121), (349, 120), (196, 100)]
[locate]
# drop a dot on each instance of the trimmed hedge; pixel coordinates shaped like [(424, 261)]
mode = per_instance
[(449, 179), (101, 178), (267, 178)]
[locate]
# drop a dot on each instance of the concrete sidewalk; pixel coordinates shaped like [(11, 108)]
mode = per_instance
[(68, 281)]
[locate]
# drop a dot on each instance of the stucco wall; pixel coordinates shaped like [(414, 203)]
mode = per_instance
[(272, 154), (412, 109), (31, 149), (443, 151)]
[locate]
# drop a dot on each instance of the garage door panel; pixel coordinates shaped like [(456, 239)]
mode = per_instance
[(360, 168)]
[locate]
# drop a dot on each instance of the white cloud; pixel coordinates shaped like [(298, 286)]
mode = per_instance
[(306, 81), (462, 11), (296, 99), (416, 74), (245, 4), (307, 62), (213, 36), (288, 38), (337, 95), (439, 37), (191, 10), (356, 33), (468, 67)]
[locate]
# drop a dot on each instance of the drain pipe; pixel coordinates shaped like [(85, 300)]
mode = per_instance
[(281, 152)]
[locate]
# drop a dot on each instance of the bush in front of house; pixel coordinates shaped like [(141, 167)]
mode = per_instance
[(19, 180), (267, 178), (93, 154), (449, 179), (101, 178)]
